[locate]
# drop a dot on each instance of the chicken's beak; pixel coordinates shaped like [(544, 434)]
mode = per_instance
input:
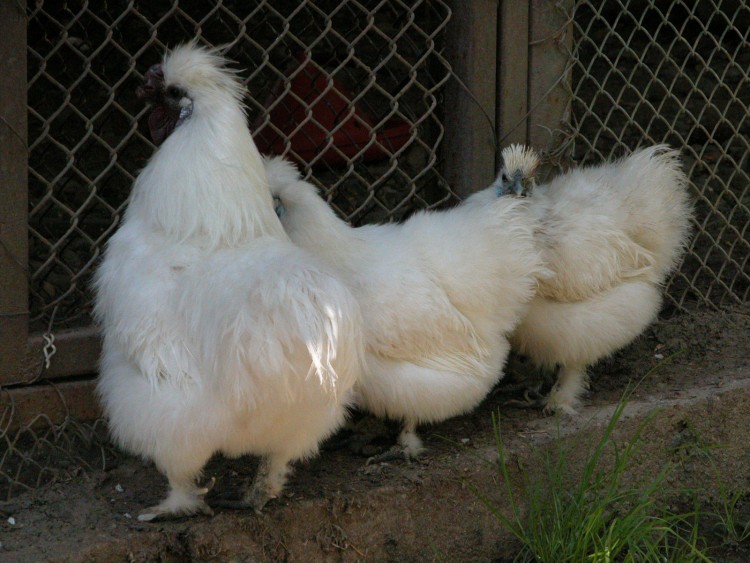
[(153, 84), (518, 187)]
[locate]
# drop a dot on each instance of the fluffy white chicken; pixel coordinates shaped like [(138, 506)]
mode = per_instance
[(220, 335), (611, 234), (439, 295)]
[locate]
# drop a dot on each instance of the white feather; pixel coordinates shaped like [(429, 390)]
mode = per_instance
[(219, 334), (611, 234), (439, 295)]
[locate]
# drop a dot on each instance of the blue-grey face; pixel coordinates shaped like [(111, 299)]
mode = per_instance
[(278, 207), (513, 183)]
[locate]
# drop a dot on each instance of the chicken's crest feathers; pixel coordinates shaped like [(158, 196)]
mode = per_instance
[(203, 72), (520, 158)]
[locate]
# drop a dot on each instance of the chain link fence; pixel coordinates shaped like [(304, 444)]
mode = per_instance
[(678, 73), (640, 72), (371, 71), (378, 60), (43, 452)]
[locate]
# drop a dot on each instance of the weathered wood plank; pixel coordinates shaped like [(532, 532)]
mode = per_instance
[(76, 353), (551, 39), (471, 49), (13, 190), (24, 406), (513, 72)]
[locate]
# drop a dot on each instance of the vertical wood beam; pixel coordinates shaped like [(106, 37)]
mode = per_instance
[(471, 49), (14, 304), (513, 72), (551, 41)]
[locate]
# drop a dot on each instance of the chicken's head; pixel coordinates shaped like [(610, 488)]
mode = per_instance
[(170, 104), (519, 167), (190, 78)]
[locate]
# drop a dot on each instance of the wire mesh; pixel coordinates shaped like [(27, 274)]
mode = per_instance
[(648, 72), (85, 146), (640, 72), (42, 452)]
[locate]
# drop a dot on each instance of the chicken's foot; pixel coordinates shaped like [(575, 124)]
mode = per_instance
[(268, 483), (408, 449), (183, 500)]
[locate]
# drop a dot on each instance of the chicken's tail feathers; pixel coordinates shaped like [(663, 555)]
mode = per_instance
[(661, 191)]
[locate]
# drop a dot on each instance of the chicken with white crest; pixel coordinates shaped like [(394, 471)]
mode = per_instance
[(440, 293), (610, 234), (220, 335)]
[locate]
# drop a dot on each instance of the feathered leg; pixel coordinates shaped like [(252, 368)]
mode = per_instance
[(409, 446), (268, 483), (184, 499), (567, 392), (410, 441)]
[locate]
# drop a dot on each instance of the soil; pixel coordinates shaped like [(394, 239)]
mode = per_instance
[(337, 508)]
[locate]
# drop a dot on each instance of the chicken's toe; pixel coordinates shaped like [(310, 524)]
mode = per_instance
[(254, 498), (409, 449), (396, 453), (532, 399), (558, 404), (163, 511), (183, 500)]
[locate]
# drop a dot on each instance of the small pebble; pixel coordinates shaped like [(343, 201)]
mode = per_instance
[(465, 440), (119, 488), (659, 356), (12, 521), (127, 515)]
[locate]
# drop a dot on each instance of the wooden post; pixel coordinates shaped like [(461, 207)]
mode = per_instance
[(471, 49), (14, 299), (551, 41), (513, 72)]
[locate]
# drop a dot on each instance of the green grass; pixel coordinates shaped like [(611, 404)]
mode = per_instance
[(726, 514), (596, 516), (730, 523), (732, 527)]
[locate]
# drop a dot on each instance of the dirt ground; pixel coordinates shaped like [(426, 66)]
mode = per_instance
[(338, 509)]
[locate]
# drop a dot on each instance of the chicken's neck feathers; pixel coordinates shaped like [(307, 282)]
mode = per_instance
[(313, 225), (206, 184)]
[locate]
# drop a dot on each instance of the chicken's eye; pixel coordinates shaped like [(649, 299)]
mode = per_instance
[(174, 92)]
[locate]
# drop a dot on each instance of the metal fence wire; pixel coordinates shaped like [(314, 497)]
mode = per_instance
[(674, 72), (640, 71), (378, 60)]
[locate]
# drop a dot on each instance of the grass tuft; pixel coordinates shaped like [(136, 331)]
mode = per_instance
[(595, 517)]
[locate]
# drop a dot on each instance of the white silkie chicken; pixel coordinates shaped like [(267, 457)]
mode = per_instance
[(439, 294), (220, 335), (610, 234)]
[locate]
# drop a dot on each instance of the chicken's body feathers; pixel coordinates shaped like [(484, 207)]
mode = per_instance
[(611, 234), (220, 335), (439, 294)]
